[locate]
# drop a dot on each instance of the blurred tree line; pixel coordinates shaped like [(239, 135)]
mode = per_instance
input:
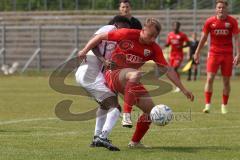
[(32, 5)]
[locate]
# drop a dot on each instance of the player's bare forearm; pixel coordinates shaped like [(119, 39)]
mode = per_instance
[(236, 39), (186, 45), (202, 42), (166, 45), (98, 54), (172, 75), (93, 42), (105, 62), (236, 60)]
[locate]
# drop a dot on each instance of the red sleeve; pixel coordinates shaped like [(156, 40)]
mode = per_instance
[(185, 38), (168, 39), (206, 27), (158, 56), (235, 27), (120, 34)]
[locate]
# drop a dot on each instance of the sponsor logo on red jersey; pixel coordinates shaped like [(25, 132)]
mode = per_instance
[(222, 32), (110, 46), (175, 41), (147, 52), (126, 45), (134, 59), (227, 25)]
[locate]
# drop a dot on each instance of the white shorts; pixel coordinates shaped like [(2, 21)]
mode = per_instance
[(94, 83)]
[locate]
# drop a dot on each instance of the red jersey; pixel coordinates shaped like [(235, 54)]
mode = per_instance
[(176, 41), (129, 53), (221, 32)]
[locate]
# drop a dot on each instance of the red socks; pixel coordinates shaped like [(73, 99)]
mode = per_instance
[(208, 96), (141, 127), (225, 99), (132, 92)]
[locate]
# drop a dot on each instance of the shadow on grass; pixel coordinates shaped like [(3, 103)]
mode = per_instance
[(185, 149)]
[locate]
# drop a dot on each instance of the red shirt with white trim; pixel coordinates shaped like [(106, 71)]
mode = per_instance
[(221, 34), (176, 41), (130, 53)]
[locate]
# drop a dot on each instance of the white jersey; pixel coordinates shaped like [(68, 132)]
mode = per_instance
[(89, 73)]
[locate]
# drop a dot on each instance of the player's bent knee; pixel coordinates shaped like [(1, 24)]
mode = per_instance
[(110, 102), (136, 75)]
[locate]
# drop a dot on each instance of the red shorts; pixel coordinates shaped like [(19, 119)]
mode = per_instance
[(112, 80), (216, 61), (175, 61)]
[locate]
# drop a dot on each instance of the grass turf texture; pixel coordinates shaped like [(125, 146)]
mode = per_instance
[(29, 128)]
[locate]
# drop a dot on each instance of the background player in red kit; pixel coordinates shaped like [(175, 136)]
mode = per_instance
[(134, 48), (222, 29), (177, 40)]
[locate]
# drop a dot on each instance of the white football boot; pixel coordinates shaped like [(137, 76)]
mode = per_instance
[(126, 120)]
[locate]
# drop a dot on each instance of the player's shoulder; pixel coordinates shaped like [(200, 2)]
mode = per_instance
[(211, 19), (182, 33), (231, 18), (171, 33), (134, 19), (106, 28), (135, 23), (155, 45)]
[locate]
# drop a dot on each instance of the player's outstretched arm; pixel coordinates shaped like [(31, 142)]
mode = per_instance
[(236, 60), (92, 43), (106, 63), (202, 41), (172, 75), (187, 44)]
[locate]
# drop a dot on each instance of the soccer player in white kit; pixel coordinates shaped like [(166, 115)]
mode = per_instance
[(89, 75)]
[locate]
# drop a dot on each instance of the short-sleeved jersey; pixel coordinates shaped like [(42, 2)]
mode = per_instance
[(221, 32), (176, 41), (130, 53), (93, 66)]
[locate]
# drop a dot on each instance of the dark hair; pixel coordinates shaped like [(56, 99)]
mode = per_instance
[(177, 23), (124, 1), (119, 19), (222, 1)]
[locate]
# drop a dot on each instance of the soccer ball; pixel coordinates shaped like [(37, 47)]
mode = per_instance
[(161, 115)]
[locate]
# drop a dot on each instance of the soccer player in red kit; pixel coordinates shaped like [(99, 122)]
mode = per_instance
[(177, 40), (134, 48), (222, 29)]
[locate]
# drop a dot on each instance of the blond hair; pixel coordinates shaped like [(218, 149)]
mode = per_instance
[(153, 22)]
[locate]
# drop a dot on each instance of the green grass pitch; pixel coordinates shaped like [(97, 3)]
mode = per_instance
[(30, 130)]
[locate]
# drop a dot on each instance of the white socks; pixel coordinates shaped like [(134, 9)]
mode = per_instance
[(100, 120), (112, 117)]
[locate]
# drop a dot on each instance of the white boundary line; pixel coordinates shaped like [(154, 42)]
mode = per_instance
[(26, 120), (117, 129)]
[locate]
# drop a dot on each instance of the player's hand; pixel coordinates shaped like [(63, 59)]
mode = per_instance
[(188, 94), (196, 58), (82, 55), (236, 60)]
